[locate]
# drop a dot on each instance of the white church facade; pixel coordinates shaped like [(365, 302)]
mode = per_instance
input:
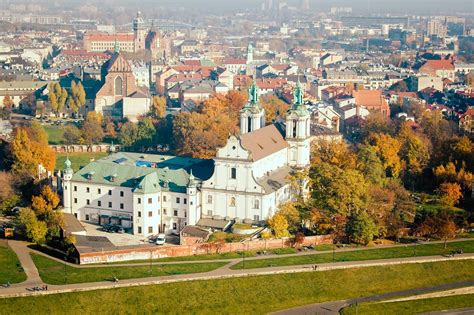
[(245, 182)]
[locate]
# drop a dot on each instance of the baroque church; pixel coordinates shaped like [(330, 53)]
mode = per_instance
[(245, 182)]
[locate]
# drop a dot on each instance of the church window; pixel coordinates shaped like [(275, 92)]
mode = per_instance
[(209, 199), (118, 86), (256, 218), (249, 124), (232, 201), (294, 128), (233, 173), (256, 204)]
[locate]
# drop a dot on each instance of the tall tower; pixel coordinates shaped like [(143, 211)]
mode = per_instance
[(298, 130), (193, 210), (66, 185), (251, 69), (252, 116), (139, 32)]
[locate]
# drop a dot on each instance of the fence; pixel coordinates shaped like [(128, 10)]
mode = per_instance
[(155, 252)]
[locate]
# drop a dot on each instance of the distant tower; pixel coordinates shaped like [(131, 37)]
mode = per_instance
[(252, 116), (139, 32), (304, 5), (298, 130), (250, 64), (66, 186)]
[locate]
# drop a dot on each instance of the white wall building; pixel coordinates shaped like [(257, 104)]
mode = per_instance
[(245, 182)]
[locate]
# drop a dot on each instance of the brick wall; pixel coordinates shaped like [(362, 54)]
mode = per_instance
[(154, 252)]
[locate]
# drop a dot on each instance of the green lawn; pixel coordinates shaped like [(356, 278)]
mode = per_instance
[(55, 134), (77, 159), (412, 307), (53, 272), (246, 295), (380, 253), (10, 270)]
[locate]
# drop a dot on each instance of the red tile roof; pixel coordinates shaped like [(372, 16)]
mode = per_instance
[(431, 66), (104, 37), (263, 142)]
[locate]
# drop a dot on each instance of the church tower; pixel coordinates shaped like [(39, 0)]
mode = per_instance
[(298, 130), (252, 115), (66, 186), (139, 32)]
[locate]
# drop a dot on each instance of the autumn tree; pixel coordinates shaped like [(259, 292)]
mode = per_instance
[(92, 132), (72, 135), (415, 153), (339, 191), (291, 214), (370, 165), (57, 97), (8, 102), (387, 149), (158, 107), (274, 108), (27, 224), (30, 149), (450, 193), (336, 153), (77, 97), (449, 173), (279, 225)]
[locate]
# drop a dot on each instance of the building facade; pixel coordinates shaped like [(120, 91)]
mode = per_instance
[(245, 182)]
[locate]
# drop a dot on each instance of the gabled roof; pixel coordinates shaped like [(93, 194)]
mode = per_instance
[(263, 142), (117, 63), (431, 66)]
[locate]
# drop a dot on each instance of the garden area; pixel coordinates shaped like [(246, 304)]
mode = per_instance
[(78, 159)]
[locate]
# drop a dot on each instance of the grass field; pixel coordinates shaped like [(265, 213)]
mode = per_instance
[(53, 272), (77, 159), (55, 134), (10, 270), (412, 307), (247, 295), (381, 253)]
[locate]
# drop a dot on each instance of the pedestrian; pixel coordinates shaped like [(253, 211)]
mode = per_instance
[(46, 286)]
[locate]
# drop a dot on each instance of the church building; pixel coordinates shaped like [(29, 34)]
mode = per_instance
[(245, 182)]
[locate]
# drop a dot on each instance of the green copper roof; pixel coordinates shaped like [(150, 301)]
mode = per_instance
[(145, 173), (253, 104), (298, 107)]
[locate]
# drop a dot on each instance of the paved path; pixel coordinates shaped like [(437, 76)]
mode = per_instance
[(23, 253), (333, 308), (24, 289), (461, 311)]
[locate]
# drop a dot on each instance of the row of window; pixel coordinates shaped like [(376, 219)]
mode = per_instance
[(150, 228), (99, 203), (150, 200), (256, 203), (256, 218), (99, 191), (165, 212)]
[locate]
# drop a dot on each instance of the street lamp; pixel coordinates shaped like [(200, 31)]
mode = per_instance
[(65, 270)]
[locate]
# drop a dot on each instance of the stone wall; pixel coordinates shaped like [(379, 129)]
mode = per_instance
[(155, 252)]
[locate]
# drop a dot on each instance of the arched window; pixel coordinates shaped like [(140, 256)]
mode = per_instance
[(232, 201), (295, 124), (249, 124), (118, 86)]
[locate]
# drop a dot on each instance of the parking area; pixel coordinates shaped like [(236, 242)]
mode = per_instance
[(118, 239), (123, 239)]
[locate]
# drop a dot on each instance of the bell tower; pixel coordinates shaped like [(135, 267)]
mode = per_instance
[(139, 32), (298, 130), (66, 186), (252, 115)]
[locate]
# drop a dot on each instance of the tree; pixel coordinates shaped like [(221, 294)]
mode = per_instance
[(72, 135), (279, 225), (291, 214), (39, 205), (387, 149), (338, 191), (92, 132), (274, 108), (337, 153), (77, 97), (361, 228), (27, 224), (445, 227), (7, 189), (30, 149), (128, 134), (450, 193), (52, 198), (109, 128), (370, 165), (449, 173), (8, 102), (57, 97), (158, 107)]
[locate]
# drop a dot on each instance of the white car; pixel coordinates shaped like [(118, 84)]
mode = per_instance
[(160, 240)]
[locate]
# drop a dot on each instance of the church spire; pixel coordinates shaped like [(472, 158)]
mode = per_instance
[(298, 106), (252, 115)]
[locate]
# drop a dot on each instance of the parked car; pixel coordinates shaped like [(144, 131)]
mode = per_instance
[(161, 239)]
